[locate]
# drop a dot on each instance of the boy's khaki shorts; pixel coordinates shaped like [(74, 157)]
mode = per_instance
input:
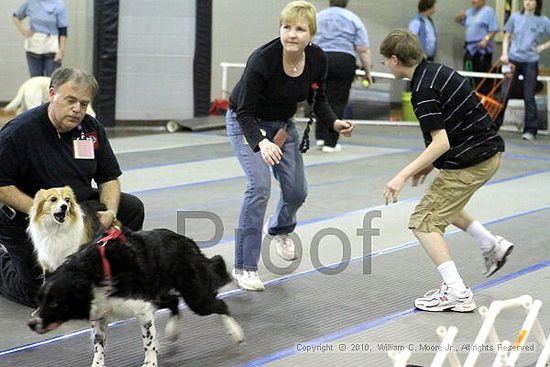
[(449, 193)]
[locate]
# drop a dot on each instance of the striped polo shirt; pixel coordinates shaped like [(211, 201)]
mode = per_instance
[(443, 99)]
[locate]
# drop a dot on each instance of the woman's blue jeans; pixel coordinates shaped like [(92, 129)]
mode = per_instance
[(41, 65), (291, 177)]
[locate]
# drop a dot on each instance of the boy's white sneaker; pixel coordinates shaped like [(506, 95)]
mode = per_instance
[(445, 299), (495, 257)]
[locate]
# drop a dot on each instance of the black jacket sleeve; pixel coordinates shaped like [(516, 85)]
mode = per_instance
[(252, 83)]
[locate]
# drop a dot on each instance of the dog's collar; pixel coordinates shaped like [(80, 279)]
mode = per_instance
[(112, 234)]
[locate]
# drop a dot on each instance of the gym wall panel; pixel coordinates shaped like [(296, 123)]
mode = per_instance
[(13, 68), (156, 43), (238, 28), (81, 36)]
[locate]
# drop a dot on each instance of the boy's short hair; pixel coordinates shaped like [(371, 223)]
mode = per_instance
[(404, 45)]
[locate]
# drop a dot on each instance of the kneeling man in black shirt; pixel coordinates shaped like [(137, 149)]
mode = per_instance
[(55, 144)]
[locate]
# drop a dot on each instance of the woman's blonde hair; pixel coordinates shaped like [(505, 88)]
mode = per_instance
[(300, 9)]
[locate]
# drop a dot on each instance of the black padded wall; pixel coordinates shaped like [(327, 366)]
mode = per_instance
[(105, 58), (203, 57)]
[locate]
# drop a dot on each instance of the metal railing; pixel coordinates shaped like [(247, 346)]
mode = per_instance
[(545, 79)]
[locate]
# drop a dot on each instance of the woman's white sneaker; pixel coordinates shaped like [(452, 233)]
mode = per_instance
[(248, 280), (285, 247)]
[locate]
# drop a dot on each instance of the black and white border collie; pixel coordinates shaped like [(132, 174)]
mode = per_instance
[(147, 269)]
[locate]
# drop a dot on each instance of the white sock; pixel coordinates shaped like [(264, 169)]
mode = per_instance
[(451, 277), (481, 235)]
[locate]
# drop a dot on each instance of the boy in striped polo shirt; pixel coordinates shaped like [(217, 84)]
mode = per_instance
[(463, 144)]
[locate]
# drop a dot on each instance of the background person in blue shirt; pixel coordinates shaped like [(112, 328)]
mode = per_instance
[(525, 30), (423, 26), (341, 34), (481, 26), (46, 37)]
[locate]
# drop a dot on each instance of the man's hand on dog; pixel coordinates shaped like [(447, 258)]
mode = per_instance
[(106, 218)]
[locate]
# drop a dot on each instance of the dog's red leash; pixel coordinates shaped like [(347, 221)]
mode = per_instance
[(112, 234)]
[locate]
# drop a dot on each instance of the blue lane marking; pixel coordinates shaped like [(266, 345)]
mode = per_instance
[(293, 276), (359, 328), (229, 239), (176, 163), (241, 175), (403, 150), (527, 157), (521, 175), (399, 247), (36, 345), (214, 204)]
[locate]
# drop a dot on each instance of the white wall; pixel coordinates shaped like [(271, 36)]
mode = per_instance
[(156, 43), (79, 52)]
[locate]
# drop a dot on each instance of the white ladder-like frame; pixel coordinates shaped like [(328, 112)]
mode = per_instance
[(506, 356)]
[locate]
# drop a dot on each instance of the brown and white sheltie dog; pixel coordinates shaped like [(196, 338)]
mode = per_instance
[(58, 225)]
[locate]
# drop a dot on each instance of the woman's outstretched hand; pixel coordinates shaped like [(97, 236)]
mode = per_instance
[(343, 127)]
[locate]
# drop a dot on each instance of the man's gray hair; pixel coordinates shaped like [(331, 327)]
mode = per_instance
[(81, 77)]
